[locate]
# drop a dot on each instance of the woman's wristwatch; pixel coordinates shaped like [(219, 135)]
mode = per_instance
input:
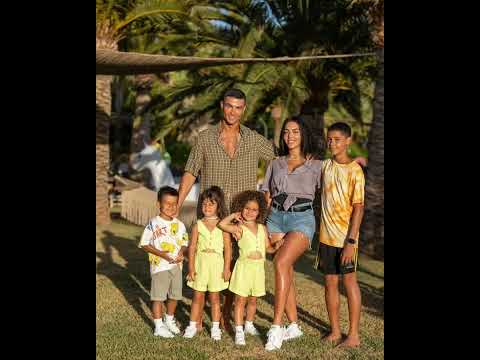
[(351, 241)]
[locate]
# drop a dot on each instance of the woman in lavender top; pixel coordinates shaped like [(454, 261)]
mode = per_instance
[(290, 184)]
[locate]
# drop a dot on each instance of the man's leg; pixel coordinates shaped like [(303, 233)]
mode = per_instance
[(228, 299), (225, 319)]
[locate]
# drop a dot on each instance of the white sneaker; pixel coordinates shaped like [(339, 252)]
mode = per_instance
[(293, 331), (162, 331), (251, 330), (275, 338), (190, 331), (172, 326), (239, 338), (216, 333)]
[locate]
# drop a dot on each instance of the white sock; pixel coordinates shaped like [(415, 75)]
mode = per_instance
[(239, 328), (275, 326), (293, 323), (248, 323), (158, 322), (193, 324), (168, 317), (215, 324)]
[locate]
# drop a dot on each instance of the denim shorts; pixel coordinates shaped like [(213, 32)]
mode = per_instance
[(287, 221)]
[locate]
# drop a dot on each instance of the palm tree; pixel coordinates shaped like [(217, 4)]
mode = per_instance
[(372, 233), (109, 31), (113, 19), (247, 29)]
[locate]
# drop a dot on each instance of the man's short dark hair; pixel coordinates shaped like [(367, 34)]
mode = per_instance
[(344, 128), (166, 190), (236, 93)]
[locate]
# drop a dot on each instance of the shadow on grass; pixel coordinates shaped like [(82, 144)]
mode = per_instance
[(133, 279), (372, 298)]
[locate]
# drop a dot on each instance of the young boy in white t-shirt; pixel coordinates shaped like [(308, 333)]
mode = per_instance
[(165, 239)]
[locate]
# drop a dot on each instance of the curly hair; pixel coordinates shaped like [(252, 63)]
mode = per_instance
[(215, 194), (241, 199)]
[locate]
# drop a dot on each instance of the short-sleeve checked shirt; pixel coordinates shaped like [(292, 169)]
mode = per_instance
[(209, 159)]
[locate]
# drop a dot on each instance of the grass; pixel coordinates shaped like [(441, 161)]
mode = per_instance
[(124, 328)]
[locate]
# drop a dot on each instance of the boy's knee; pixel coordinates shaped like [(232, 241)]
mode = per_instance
[(331, 281), (350, 279)]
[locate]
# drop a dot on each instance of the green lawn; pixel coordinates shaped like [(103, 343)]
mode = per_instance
[(125, 329)]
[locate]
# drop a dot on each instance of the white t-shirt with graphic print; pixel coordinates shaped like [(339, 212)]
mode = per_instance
[(164, 235)]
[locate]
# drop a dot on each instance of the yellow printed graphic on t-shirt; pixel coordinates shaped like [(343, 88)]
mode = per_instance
[(182, 241), (166, 246), (154, 259), (174, 228)]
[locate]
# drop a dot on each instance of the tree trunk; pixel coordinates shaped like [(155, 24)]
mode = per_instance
[(141, 129), (372, 235), (103, 112), (313, 112), (103, 109), (277, 121)]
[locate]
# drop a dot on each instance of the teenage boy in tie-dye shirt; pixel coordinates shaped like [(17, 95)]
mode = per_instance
[(342, 197)]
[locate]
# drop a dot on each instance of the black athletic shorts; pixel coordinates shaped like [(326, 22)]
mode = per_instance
[(329, 260)]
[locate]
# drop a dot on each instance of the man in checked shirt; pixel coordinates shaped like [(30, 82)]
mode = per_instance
[(226, 155)]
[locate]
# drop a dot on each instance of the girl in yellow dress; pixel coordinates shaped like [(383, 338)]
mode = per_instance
[(248, 277), (209, 259)]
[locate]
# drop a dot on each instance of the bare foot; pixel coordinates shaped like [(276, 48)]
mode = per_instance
[(333, 337), (350, 341)]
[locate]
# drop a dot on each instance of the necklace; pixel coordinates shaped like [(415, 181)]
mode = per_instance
[(210, 218)]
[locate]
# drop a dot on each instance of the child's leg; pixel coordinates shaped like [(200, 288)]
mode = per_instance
[(239, 309), (171, 306), (200, 316), (157, 309), (197, 306), (332, 299), (354, 306), (215, 306), (251, 308)]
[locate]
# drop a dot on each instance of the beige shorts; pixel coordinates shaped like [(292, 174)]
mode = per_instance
[(168, 282)]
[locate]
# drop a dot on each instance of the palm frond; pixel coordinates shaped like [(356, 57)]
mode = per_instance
[(150, 8)]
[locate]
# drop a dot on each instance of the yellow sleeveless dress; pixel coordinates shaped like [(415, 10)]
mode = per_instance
[(209, 265), (248, 277)]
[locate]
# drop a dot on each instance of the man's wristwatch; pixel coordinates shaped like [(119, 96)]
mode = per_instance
[(351, 241)]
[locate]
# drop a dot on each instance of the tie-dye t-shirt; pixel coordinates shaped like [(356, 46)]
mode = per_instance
[(164, 235), (342, 186)]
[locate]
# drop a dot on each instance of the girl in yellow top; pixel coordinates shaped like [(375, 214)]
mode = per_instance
[(248, 277), (209, 259)]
